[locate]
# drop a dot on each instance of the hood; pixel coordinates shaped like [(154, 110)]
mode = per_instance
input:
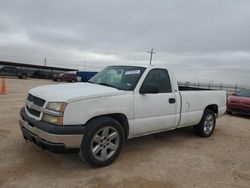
[(69, 92), (238, 99)]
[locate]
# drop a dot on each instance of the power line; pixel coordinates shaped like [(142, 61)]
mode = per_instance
[(151, 55)]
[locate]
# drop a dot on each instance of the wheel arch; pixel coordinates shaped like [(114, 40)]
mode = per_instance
[(213, 107), (121, 118)]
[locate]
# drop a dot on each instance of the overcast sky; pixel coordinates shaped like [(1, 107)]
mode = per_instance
[(201, 40)]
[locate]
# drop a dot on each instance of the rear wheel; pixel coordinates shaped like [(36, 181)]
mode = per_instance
[(102, 142), (207, 124), (22, 76)]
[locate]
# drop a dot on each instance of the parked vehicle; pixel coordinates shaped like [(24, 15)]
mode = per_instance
[(14, 71), (239, 102), (84, 76), (65, 77), (43, 74), (56, 76), (118, 103)]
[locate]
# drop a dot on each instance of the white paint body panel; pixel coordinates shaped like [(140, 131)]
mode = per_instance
[(146, 114), (194, 103), (153, 113), (68, 92)]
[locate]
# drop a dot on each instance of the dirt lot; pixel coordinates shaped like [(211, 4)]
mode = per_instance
[(171, 159)]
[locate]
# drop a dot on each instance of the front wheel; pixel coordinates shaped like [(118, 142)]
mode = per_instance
[(102, 142), (207, 124)]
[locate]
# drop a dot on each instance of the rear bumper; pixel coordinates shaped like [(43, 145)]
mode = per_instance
[(51, 137)]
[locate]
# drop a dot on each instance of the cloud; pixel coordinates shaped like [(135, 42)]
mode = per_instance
[(199, 39)]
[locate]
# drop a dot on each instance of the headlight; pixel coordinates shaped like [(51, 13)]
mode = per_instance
[(53, 119), (56, 106)]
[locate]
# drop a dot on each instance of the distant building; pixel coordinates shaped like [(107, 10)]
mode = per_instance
[(22, 70)]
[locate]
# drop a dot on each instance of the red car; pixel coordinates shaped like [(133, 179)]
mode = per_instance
[(239, 102), (65, 77)]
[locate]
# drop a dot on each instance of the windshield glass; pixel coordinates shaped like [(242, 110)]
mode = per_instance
[(119, 77), (244, 93)]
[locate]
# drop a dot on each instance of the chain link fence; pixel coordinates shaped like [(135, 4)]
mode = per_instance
[(229, 88)]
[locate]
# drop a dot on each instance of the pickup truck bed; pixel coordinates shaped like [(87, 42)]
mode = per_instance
[(187, 88), (194, 103)]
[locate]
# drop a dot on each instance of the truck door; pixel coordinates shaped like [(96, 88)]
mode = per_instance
[(155, 104)]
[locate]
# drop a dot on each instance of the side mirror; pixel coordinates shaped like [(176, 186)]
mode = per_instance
[(149, 88)]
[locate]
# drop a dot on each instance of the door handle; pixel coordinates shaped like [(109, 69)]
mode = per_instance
[(171, 100)]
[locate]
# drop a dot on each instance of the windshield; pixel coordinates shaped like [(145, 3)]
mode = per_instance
[(119, 77), (244, 93)]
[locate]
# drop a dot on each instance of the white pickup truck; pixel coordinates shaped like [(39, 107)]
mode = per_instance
[(118, 103)]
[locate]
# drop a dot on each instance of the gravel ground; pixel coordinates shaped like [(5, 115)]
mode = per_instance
[(170, 159)]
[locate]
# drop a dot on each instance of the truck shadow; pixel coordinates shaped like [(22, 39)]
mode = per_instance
[(141, 148), (33, 160), (152, 142)]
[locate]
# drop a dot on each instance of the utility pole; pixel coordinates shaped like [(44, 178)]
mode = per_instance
[(84, 62), (151, 55), (45, 61)]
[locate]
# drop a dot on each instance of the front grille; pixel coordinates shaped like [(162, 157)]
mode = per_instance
[(33, 112), (36, 100)]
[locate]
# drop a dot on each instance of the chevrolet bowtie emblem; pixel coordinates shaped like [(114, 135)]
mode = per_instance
[(30, 104)]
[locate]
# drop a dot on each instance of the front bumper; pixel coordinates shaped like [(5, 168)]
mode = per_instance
[(239, 111), (52, 137)]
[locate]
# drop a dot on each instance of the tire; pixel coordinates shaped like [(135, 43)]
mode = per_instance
[(96, 138), (207, 124), (23, 76)]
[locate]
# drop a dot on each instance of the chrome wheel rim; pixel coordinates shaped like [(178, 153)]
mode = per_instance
[(208, 124), (105, 143)]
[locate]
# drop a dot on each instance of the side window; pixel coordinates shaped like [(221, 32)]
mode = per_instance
[(160, 79)]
